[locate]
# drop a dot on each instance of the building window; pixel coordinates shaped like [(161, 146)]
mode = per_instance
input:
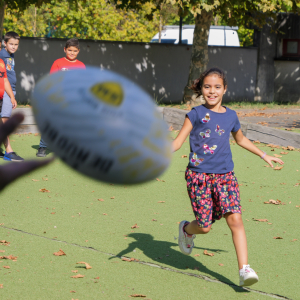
[(291, 48)]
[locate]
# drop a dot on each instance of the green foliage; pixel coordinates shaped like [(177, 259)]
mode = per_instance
[(245, 36), (89, 19)]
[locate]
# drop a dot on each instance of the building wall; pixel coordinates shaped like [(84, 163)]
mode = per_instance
[(161, 69), (287, 81)]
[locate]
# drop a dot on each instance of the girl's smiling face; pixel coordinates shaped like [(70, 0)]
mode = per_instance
[(213, 90)]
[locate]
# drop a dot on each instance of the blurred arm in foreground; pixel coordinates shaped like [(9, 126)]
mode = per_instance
[(12, 171)]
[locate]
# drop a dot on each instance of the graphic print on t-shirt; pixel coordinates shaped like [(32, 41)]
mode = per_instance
[(219, 131), (10, 64), (205, 134), (2, 74), (195, 160), (211, 149), (64, 69), (206, 118)]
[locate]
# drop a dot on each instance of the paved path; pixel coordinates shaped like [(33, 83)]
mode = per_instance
[(286, 118)]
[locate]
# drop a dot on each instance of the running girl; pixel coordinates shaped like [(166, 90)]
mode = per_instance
[(211, 183)]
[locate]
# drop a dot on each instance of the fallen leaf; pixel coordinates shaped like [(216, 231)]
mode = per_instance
[(284, 152), (74, 271), (270, 223), (171, 128), (278, 168), (278, 238), (126, 259), (294, 240), (11, 257), (4, 242), (87, 266), (77, 276), (206, 253), (6, 267), (45, 179), (290, 148), (138, 296), (271, 201), (288, 129), (260, 220), (72, 291), (134, 226), (154, 220), (197, 255), (1, 286), (2, 251), (100, 200), (161, 201), (256, 142), (53, 213), (183, 156), (44, 191), (35, 180), (276, 155), (283, 183), (221, 265), (113, 197), (59, 253), (104, 214)]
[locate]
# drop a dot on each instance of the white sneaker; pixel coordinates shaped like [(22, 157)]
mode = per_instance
[(247, 276), (185, 242)]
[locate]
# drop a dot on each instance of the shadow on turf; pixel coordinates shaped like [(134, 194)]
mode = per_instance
[(161, 251), (36, 147)]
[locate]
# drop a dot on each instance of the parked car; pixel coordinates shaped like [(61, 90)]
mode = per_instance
[(218, 35)]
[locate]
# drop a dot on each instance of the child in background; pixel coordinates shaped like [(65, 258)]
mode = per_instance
[(64, 64), (211, 183), (11, 43)]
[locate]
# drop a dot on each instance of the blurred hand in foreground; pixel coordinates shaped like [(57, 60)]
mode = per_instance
[(11, 171)]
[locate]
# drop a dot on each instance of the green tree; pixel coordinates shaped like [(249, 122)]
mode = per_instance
[(233, 12), (89, 19)]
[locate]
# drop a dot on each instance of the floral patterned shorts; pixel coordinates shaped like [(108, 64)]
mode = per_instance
[(212, 195)]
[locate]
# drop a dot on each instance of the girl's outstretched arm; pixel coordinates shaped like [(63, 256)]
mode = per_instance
[(242, 141), (183, 134)]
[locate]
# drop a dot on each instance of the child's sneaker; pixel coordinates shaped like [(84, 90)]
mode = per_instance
[(12, 156), (42, 152), (185, 242), (247, 276)]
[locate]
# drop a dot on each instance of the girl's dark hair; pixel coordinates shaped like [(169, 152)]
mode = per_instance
[(197, 83), (72, 43)]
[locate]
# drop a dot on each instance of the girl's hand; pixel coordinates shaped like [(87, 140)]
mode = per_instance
[(269, 160)]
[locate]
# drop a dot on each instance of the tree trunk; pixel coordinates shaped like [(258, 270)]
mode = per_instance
[(2, 13), (160, 28), (199, 57)]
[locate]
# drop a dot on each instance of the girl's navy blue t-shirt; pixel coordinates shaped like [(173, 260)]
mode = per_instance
[(209, 140)]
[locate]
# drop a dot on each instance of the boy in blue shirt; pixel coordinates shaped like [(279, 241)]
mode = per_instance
[(11, 43)]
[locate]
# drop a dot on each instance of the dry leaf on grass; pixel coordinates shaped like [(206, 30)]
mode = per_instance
[(256, 142), (113, 197), (138, 296), (134, 226), (260, 220), (45, 179), (44, 191), (129, 259), (35, 180), (104, 214), (288, 129), (87, 266), (221, 265), (183, 156), (206, 253), (197, 255), (154, 220), (1, 285), (59, 253), (77, 276), (171, 128), (100, 200), (290, 148), (4, 243), (278, 238), (278, 168), (11, 257), (161, 201), (74, 271), (271, 201), (284, 152), (276, 155), (6, 267), (294, 240)]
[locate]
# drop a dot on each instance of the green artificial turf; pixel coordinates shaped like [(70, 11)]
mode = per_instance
[(72, 218)]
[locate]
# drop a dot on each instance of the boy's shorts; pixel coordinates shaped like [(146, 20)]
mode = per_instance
[(6, 106), (212, 195)]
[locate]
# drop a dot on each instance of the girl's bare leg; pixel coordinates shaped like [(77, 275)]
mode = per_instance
[(235, 223), (193, 228)]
